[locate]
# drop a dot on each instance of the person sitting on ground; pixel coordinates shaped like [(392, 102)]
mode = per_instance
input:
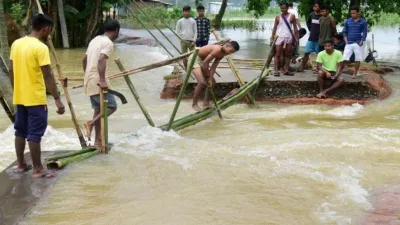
[(204, 73), (330, 66), (186, 27), (203, 28), (286, 30), (31, 76), (94, 66)]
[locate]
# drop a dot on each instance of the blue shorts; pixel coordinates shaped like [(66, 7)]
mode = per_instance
[(312, 46), (95, 101), (31, 122)]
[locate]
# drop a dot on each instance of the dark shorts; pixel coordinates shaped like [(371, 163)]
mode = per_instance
[(95, 101), (31, 122), (332, 73), (201, 43)]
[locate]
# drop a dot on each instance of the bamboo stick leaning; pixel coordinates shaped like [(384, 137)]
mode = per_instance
[(135, 94), (235, 71), (183, 88), (64, 86)]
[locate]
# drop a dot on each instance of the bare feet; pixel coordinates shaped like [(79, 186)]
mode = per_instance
[(43, 173), (89, 129), (22, 169), (196, 107), (207, 105), (230, 94), (354, 76), (321, 95)]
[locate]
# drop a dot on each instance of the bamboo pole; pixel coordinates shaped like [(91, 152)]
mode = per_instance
[(155, 38), (64, 86), (183, 88), (135, 94), (70, 154), (163, 21), (145, 68), (203, 115), (155, 25), (214, 99), (61, 163), (235, 71), (102, 121), (264, 68), (105, 112), (6, 107)]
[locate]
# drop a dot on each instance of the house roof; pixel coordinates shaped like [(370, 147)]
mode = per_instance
[(162, 2)]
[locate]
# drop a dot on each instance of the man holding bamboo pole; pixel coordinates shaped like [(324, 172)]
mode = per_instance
[(204, 73), (30, 76), (94, 66)]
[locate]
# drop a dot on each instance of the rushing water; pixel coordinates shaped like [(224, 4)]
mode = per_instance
[(280, 164)]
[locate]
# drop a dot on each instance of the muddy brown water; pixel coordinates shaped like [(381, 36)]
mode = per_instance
[(280, 164)]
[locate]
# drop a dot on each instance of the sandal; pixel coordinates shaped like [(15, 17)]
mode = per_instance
[(288, 74), (25, 169), (45, 174), (276, 74)]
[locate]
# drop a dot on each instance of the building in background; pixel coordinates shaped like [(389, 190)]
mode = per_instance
[(213, 7), (151, 3)]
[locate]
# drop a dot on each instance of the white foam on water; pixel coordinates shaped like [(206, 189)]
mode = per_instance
[(52, 140), (295, 111)]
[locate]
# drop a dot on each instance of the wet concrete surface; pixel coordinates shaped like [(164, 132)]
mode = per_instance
[(20, 192)]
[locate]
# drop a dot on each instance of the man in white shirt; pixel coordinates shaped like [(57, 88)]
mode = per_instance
[(294, 11), (94, 66), (186, 27)]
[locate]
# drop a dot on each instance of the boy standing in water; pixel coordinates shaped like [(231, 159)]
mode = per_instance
[(314, 28), (330, 66), (204, 73), (94, 66), (203, 28), (186, 27), (327, 27), (30, 76), (286, 40), (355, 33)]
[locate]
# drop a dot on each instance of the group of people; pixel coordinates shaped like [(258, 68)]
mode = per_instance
[(331, 47), (31, 75)]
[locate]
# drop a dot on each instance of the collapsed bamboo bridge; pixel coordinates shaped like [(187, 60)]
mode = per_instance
[(244, 91)]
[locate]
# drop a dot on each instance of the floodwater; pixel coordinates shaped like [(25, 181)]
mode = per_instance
[(280, 164)]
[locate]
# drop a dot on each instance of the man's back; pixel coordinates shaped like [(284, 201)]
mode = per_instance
[(28, 55), (99, 45)]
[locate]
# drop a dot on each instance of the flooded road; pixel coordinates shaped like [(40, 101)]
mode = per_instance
[(280, 164)]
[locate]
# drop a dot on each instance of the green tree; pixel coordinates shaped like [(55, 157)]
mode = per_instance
[(220, 15)]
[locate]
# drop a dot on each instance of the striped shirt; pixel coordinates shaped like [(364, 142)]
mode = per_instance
[(203, 29), (355, 31)]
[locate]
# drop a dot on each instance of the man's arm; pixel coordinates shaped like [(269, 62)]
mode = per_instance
[(365, 32), (195, 30), (101, 67), (309, 22), (274, 29), (340, 66), (11, 74), (334, 30), (178, 27), (214, 66), (345, 30), (49, 81), (295, 28), (84, 63), (206, 63)]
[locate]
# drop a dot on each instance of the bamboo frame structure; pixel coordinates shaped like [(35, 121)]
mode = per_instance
[(135, 93), (214, 99), (64, 86), (235, 71), (183, 88), (155, 38), (62, 162), (205, 114), (103, 118)]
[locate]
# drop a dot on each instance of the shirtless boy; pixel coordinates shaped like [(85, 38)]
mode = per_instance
[(204, 72)]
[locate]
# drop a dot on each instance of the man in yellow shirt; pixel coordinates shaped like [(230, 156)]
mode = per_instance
[(30, 76), (330, 66)]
